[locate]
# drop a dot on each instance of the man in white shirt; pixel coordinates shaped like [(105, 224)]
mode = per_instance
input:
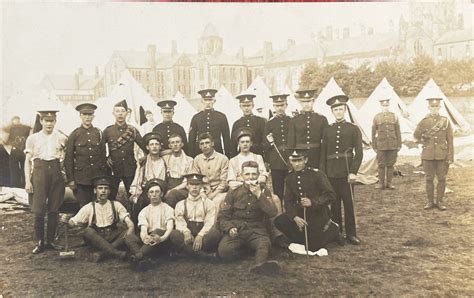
[(195, 217), (155, 223), (104, 219), (149, 124), (44, 180), (177, 163)]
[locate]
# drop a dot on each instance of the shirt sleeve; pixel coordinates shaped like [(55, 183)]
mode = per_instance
[(142, 219), (83, 216), (261, 166), (232, 171), (169, 213), (29, 145), (224, 170), (210, 217), (181, 224), (121, 211)]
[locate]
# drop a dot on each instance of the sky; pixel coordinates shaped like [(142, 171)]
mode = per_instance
[(61, 37)]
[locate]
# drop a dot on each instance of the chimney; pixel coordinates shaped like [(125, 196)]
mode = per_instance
[(96, 72), (174, 48), (329, 33), (290, 43), (346, 33), (370, 31), (78, 76), (267, 50), (240, 54)]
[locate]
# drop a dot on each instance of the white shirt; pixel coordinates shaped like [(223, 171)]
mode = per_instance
[(199, 210), (104, 215), (155, 217), (235, 165), (46, 147)]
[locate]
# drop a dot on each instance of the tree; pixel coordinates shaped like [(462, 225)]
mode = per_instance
[(363, 81), (417, 74)]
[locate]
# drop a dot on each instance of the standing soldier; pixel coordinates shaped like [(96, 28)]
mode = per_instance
[(149, 124), (120, 138), (167, 128), (436, 134), (341, 157), (305, 131), (17, 134), (209, 121), (254, 123), (386, 141), (85, 155), (43, 151), (276, 132)]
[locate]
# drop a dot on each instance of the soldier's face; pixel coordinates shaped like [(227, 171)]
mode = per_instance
[(206, 146), (250, 174), (153, 146), (120, 114), (208, 103), (167, 115), (307, 105), (194, 188), (149, 117), (246, 108), (48, 125), (102, 192), (245, 143), (280, 108), (154, 194), (87, 118), (339, 112), (434, 108), (175, 144), (298, 164)]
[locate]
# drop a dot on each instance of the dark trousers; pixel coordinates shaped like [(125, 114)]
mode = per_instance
[(127, 181), (16, 164), (314, 155), (438, 169), (385, 161), (318, 236), (343, 193), (230, 248), (48, 196), (84, 194), (278, 182), (148, 251), (109, 240), (209, 241)]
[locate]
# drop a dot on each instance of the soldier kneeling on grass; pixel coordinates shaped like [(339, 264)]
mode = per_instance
[(104, 219)]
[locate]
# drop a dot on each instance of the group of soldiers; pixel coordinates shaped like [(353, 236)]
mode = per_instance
[(259, 183)]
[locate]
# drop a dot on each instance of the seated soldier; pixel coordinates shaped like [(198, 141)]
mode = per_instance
[(177, 163), (103, 218), (155, 222), (242, 220), (308, 188), (195, 217), (150, 167)]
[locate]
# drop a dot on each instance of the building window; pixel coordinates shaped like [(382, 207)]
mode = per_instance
[(418, 47)]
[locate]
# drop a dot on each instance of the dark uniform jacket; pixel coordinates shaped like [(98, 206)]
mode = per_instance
[(436, 134), (85, 155), (278, 127), (386, 132), (212, 122), (305, 131), (242, 210), (18, 134), (166, 129), (313, 184), (119, 140), (341, 140), (256, 125)]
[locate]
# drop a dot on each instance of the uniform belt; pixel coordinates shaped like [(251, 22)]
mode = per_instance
[(339, 155), (308, 146), (105, 229)]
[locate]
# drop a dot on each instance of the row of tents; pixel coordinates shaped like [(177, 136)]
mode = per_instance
[(138, 99)]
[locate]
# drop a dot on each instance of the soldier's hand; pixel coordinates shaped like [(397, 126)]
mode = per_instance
[(155, 239), (188, 238), (351, 178), (28, 187), (197, 243), (72, 185), (233, 233), (306, 202), (262, 179), (301, 223), (147, 240), (64, 218), (270, 138), (255, 189), (109, 162)]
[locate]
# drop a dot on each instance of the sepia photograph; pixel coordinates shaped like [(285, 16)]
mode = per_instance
[(256, 149)]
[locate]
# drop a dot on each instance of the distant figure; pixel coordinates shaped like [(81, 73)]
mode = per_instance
[(386, 141), (17, 134), (436, 134), (149, 124)]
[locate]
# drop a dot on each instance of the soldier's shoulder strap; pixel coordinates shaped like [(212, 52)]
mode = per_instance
[(313, 169)]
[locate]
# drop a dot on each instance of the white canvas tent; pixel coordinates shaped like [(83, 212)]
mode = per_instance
[(183, 111), (372, 106), (136, 96), (227, 104), (352, 115), (419, 107), (262, 100)]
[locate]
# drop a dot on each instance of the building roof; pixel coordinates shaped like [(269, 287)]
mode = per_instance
[(297, 53), (223, 59), (134, 59), (68, 82), (359, 45), (456, 36)]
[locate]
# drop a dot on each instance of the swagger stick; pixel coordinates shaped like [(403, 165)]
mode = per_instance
[(305, 232)]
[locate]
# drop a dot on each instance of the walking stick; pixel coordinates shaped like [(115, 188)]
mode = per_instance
[(385, 183), (350, 184), (305, 232)]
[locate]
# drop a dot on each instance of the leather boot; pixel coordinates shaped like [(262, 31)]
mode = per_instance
[(39, 248), (106, 247), (440, 189), (430, 195)]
